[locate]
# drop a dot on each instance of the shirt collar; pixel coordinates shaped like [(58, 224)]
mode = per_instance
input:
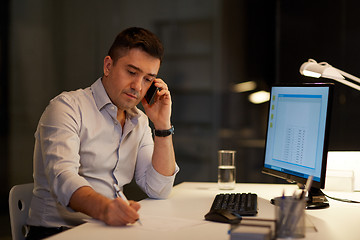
[(102, 99)]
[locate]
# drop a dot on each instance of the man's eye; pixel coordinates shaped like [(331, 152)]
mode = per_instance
[(131, 72)]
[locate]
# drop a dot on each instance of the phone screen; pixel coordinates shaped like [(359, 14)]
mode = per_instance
[(151, 93)]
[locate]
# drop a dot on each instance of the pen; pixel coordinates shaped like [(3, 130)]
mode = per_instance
[(121, 195), (308, 183)]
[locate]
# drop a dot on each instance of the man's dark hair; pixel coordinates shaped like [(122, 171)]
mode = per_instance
[(135, 37)]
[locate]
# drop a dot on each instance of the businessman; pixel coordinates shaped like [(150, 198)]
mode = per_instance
[(90, 139)]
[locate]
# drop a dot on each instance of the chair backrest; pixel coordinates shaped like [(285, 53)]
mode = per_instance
[(19, 202)]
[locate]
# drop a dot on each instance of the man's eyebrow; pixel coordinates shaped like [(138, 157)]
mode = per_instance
[(139, 69)]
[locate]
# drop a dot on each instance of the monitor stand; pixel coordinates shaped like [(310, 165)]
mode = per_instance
[(316, 199)]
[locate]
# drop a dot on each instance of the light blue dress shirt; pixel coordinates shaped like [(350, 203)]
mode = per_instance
[(79, 142)]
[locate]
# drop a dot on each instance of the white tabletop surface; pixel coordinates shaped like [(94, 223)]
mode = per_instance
[(181, 216)]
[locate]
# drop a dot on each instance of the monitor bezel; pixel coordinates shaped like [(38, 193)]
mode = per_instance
[(294, 178)]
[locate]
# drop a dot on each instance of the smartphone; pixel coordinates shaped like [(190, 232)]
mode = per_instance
[(151, 93)]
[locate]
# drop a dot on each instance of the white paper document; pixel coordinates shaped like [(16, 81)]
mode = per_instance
[(160, 223)]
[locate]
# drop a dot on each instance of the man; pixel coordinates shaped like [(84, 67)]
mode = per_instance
[(90, 139)]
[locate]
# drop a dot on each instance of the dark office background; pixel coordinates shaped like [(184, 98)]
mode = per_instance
[(49, 46)]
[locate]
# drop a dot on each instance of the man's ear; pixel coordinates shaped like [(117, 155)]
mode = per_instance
[(108, 62)]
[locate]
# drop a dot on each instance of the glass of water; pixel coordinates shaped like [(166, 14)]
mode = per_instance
[(226, 169)]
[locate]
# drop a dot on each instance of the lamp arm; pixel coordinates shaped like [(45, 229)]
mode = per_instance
[(347, 75), (347, 83)]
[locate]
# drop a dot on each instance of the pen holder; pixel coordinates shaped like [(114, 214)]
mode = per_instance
[(290, 217)]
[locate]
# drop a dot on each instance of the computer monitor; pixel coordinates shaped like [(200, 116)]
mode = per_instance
[(297, 136)]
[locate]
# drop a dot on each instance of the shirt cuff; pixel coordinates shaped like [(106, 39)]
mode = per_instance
[(158, 185), (66, 185)]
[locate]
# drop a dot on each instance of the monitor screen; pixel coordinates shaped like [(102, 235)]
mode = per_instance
[(297, 132)]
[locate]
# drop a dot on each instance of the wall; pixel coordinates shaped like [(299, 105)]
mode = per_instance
[(60, 45)]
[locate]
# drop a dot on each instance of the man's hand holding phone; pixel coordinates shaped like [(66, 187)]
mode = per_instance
[(157, 104)]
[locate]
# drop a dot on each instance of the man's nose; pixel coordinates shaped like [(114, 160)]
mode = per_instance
[(137, 84)]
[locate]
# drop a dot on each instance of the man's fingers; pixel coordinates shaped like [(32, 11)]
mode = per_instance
[(161, 84), (122, 213), (135, 205), (129, 211)]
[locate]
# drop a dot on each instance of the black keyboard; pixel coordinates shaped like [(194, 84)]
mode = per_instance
[(243, 204)]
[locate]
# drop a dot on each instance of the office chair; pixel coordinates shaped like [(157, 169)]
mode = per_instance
[(19, 202)]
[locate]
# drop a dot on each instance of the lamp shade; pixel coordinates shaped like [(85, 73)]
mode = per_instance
[(314, 69)]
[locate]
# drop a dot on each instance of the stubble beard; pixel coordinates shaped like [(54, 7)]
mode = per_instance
[(125, 104)]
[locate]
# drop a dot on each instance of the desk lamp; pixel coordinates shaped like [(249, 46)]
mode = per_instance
[(313, 69)]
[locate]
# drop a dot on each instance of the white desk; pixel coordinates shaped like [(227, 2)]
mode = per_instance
[(191, 201)]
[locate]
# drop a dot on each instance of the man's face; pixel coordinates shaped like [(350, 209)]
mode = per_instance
[(127, 81)]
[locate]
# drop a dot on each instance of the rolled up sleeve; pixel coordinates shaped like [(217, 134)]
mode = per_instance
[(59, 142), (158, 185)]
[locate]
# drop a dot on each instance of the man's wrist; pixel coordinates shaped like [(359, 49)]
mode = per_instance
[(162, 125)]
